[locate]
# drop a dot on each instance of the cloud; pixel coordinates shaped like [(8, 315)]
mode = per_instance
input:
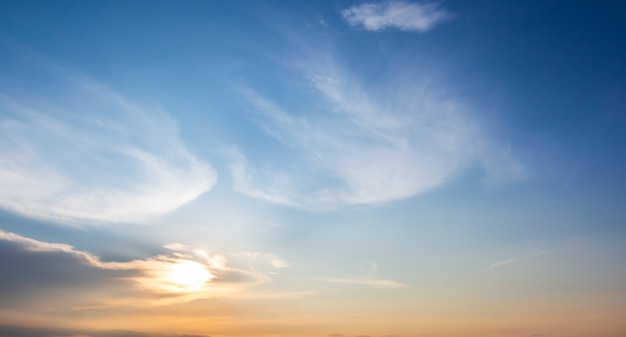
[(34, 273), (271, 259), (365, 146), (370, 280), (87, 154), (24, 331), (502, 263), (376, 283), (244, 181), (404, 16), (38, 274)]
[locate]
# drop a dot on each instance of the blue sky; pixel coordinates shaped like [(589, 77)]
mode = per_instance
[(328, 168)]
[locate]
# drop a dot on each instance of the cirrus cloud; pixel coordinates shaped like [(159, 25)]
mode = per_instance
[(366, 147), (89, 155)]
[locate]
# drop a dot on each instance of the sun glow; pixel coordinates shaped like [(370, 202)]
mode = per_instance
[(188, 275)]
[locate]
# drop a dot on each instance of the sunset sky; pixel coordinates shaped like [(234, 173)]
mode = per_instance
[(313, 168)]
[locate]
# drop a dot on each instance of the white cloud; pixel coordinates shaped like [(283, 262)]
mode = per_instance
[(90, 155), (400, 15), (174, 246), (244, 182), (263, 258), (367, 146)]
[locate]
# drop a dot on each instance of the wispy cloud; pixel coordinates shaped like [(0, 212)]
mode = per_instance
[(502, 263), (376, 283), (90, 155), (370, 279), (275, 261), (245, 181), (405, 16), (366, 146)]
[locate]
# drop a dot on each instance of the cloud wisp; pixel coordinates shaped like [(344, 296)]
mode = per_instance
[(376, 283), (369, 280), (89, 155), (503, 263), (366, 147), (400, 15)]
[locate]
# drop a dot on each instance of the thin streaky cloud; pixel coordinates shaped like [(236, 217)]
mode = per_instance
[(100, 159), (370, 280), (404, 16), (376, 283), (245, 183), (502, 263)]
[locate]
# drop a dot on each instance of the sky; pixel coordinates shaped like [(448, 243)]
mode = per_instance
[(320, 168)]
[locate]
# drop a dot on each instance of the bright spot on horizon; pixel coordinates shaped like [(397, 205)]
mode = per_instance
[(188, 275)]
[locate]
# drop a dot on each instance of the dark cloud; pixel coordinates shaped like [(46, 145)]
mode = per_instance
[(28, 275), (38, 276), (21, 331)]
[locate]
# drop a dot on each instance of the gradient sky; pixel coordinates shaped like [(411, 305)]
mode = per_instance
[(313, 168)]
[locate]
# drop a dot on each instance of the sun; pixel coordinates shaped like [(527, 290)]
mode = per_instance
[(188, 275)]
